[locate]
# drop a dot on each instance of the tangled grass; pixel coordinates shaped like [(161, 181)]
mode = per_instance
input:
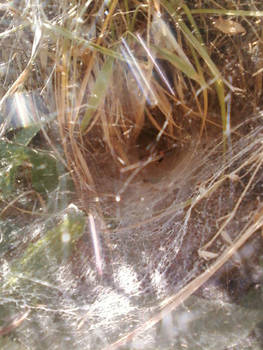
[(131, 171)]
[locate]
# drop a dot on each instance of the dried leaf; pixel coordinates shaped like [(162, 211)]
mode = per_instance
[(207, 255), (229, 27)]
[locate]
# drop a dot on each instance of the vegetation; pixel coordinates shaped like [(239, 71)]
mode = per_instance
[(131, 174)]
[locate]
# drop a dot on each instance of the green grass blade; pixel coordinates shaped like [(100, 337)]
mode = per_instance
[(55, 31), (197, 45), (179, 63), (98, 93), (223, 12)]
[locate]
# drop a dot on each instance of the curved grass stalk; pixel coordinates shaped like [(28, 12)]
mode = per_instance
[(225, 12)]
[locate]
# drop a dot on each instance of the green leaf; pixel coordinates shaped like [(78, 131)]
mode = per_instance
[(44, 172), (52, 248), (41, 165), (25, 136)]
